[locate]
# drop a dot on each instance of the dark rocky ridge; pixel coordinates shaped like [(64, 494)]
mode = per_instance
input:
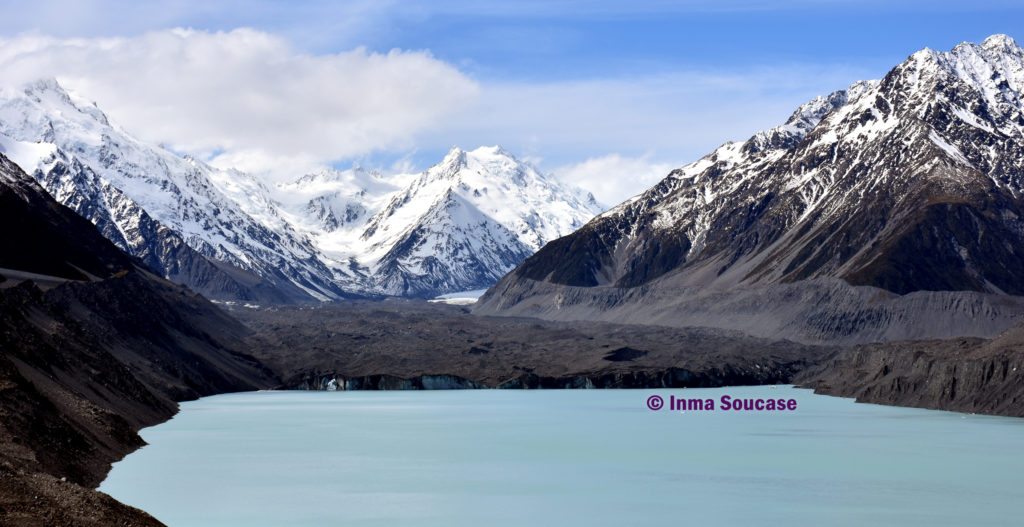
[(42, 237), (106, 349), (84, 366)]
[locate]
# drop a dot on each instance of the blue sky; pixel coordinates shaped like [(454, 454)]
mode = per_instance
[(643, 86), (537, 39), (582, 41)]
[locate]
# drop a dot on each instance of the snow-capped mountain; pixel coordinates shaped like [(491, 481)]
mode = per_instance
[(459, 225), (325, 236), (330, 199), (911, 183), (213, 230)]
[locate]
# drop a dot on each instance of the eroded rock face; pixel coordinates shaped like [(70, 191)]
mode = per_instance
[(912, 183), (727, 375), (964, 375), (335, 382)]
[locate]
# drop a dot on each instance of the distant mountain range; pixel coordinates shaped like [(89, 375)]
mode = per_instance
[(460, 225), (891, 209)]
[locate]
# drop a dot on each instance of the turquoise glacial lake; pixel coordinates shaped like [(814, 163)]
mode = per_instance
[(570, 458)]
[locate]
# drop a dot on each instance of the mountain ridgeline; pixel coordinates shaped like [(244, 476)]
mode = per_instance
[(888, 210), (330, 235)]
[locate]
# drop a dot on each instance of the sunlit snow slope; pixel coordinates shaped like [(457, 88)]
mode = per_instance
[(329, 235)]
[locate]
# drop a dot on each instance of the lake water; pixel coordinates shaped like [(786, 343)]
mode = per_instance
[(568, 458)]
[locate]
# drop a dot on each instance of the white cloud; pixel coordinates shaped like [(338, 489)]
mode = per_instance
[(614, 178), (248, 94), (273, 166)]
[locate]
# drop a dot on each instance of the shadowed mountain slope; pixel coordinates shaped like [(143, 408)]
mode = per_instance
[(94, 347)]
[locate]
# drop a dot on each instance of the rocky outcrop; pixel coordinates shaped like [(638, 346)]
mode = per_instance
[(963, 375), (45, 238)]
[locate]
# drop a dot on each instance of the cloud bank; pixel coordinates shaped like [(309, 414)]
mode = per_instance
[(614, 178), (248, 95)]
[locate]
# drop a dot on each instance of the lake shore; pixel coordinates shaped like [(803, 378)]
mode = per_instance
[(418, 345)]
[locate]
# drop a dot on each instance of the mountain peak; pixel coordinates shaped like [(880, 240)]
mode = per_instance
[(494, 151), (458, 156), (938, 140), (455, 152), (923, 56), (47, 88), (453, 160), (45, 84), (43, 103), (458, 159), (322, 236), (1000, 42)]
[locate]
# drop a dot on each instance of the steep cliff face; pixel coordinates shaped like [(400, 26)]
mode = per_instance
[(912, 183), (964, 375)]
